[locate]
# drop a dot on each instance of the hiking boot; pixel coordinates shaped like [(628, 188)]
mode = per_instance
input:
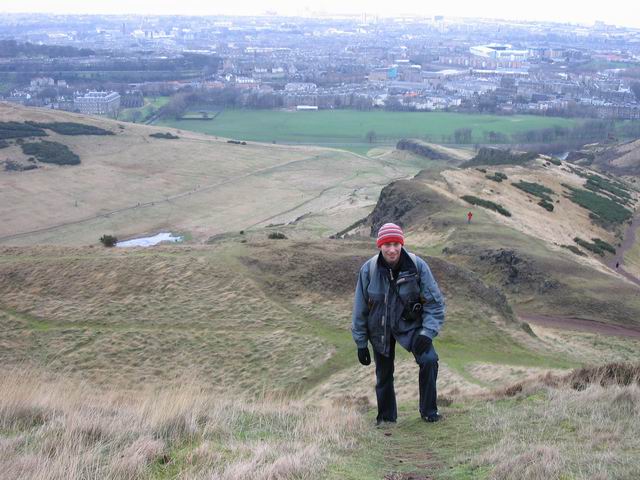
[(436, 417), (385, 423)]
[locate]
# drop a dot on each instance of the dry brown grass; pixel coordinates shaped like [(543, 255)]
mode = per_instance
[(197, 184), (559, 227), (582, 425), (53, 428), (132, 317)]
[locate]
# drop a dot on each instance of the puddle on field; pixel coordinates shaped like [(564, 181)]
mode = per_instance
[(150, 241)]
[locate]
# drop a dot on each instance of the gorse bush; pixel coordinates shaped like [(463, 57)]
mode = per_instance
[(20, 130), (486, 204), (71, 128), (604, 211), (598, 246), (108, 240), (574, 249), (546, 205), (599, 184), (277, 236), (497, 177), (496, 156), (535, 189), (51, 152)]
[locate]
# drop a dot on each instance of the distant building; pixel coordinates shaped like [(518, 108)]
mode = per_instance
[(499, 52), (300, 87), (42, 82), (98, 103)]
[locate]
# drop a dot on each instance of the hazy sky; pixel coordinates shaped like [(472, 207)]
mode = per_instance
[(612, 11)]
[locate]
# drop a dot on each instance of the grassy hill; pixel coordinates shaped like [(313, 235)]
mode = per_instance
[(130, 183), (230, 356)]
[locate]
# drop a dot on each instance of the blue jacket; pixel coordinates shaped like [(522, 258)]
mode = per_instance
[(378, 312)]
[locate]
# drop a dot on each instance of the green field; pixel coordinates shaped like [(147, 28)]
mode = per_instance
[(150, 107), (349, 128)]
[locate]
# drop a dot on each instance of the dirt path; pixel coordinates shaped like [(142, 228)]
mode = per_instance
[(627, 243), (582, 325)]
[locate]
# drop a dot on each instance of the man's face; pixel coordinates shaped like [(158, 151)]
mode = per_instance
[(391, 252)]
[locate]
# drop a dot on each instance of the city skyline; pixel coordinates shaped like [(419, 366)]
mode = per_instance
[(544, 10)]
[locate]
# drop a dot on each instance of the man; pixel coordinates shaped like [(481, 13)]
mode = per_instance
[(398, 300)]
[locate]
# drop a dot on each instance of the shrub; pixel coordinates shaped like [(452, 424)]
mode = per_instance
[(604, 211), (168, 136), (574, 249), (277, 236), (483, 170), (4, 144), (535, 189), (546, 205), (70, 128), (604, 245), (555, 161), (108, 240), (20, 130), (496, 156), (598, 246), (597, 184), (497, 177), (11, 166), (486, 204), (51, 152)]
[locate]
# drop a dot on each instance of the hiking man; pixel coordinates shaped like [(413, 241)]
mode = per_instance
[(469, 216), (398, 300)]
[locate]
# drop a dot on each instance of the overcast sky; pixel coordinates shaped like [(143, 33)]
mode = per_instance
[(612, 11)]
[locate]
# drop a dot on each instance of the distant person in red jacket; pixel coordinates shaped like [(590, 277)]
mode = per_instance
[(469, 215)]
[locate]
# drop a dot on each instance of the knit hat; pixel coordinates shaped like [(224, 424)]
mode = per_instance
[(390, 232)]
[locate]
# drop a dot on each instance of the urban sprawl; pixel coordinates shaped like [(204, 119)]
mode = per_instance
[(103, 64)]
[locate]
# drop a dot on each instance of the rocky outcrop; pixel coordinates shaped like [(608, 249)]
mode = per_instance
[(516, 271), (422, 149), (403, 202)]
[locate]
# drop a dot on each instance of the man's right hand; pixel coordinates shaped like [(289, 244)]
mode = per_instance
[(363, 356)]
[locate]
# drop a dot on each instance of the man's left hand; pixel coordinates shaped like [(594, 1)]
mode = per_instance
[(421, 344)]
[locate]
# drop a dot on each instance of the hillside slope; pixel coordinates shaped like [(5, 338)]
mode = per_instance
[(130, 183)]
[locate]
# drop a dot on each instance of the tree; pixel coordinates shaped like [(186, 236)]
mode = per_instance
[(462, 135), (371, 136), (108, 240)]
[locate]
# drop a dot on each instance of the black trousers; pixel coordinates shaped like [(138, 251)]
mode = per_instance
[(385, 392)]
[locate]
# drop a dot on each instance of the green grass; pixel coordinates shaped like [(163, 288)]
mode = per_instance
[(141, 114), (350, 127)]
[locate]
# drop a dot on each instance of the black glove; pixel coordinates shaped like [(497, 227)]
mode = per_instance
[(421, 344), (363, 356)]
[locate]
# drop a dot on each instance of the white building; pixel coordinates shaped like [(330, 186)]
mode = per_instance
[(499, 52), (98, 103)]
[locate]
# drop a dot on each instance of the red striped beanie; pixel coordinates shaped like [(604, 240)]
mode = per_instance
[(390, 232)]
